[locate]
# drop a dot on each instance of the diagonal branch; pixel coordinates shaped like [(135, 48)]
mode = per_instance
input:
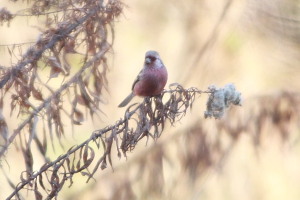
[(74, 79), (70, 152), (34, 53), (212, 37)]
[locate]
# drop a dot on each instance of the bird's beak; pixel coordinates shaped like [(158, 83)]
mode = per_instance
[(147, 60)]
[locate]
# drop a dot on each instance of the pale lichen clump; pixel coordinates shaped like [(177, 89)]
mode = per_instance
[(220, 99)]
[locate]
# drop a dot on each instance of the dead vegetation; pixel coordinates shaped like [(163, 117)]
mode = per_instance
[(86, 28)]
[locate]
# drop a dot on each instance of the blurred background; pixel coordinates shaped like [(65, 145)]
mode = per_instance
[(252, 153)]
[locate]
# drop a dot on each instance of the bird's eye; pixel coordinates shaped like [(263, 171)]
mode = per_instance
[(151, 58)]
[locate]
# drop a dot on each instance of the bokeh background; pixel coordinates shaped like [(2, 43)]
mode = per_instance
[(251, 43)]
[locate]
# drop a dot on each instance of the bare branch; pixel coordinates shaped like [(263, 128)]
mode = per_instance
[(210, 40)]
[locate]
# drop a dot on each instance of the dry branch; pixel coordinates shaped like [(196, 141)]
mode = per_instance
[(54, 95), (150, 118), (35, 52)]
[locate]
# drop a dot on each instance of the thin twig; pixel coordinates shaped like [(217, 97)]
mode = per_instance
[(44, 13), (212, 37)]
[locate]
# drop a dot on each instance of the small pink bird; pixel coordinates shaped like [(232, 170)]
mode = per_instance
[(151, 79)]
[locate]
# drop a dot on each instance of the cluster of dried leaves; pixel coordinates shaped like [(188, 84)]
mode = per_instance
[(77, 27), (140, 120), (5, 16)]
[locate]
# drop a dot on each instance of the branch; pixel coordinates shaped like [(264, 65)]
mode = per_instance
[(65, 86), (35, 52), (64, 156), (150, 117)]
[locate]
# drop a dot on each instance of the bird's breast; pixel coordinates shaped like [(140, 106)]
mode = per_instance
[(151, 83)]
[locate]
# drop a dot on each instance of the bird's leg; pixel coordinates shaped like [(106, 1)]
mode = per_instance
[(147, 100)]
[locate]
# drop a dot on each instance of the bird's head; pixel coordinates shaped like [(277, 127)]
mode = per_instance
[(152, 59)]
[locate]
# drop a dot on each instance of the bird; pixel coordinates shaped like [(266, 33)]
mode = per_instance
[(151, 80)]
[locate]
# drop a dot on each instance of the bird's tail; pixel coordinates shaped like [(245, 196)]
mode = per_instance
[(127, 100)]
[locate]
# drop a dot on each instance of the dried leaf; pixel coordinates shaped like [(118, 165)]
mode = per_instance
[(55, 71), (42, 147), (3, 127), (80, 99), (70, 45), (37, 94), (103, 165), (38, 195), (40, 177), (85, 173), (66, 65), (55, 65), (78, 116), (88, 155), (27, 154)]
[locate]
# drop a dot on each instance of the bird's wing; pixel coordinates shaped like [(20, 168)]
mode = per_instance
[(137, 79)]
